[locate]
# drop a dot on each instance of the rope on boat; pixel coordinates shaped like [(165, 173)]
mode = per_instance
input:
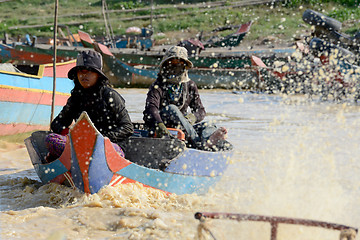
[(204, 227), (347, 233)]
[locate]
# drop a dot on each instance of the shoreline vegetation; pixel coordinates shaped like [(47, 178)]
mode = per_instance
[(280, 21)]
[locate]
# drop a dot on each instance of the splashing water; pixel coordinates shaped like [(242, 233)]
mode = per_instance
[(294, 157)]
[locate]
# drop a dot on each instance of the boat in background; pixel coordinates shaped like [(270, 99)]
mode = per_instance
[(89, 162), (126, 75), (33, 50), (29, 55), (326, 65), (26, 99), (231, 40), (213, 68), (140, 40), (196, 45)]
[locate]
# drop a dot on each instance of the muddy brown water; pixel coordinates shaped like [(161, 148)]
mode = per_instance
[(294, 157)]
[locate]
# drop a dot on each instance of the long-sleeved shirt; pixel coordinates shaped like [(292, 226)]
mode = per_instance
[(106, 109), (158, 97)]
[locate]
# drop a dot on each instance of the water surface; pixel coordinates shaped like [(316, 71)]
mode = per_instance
[(294, 157)]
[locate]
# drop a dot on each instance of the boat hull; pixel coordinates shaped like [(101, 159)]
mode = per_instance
[(25, 100), (89, 162), (26, 55)]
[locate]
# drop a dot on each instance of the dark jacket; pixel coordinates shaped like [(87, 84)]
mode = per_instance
[(158, 97), (106, 109)]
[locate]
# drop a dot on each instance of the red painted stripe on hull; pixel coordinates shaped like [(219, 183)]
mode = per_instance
[(10, 129), (116, 177), (62, 69), (28, 57), (30, 96), (124, 180), (23, 57)]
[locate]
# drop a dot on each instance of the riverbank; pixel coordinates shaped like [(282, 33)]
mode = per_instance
[(280, 22)]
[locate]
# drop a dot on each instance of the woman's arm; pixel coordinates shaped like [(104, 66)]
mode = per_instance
[(123, 127), (152, 106), (65, 117)]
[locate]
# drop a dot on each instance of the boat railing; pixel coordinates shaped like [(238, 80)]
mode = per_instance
[(347, 232)]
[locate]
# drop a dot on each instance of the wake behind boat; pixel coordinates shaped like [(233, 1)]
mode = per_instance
[(89, 162)]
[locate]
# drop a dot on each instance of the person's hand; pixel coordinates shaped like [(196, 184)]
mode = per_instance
[(65, 131), (161, 131), (191, 118)]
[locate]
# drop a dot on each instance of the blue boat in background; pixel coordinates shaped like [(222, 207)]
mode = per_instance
[(26, 99)]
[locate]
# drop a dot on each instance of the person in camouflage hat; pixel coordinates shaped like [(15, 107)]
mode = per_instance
[(169, 67), (169, 98)]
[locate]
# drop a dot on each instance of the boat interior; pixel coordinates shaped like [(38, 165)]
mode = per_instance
[(18, 68), (155, 153), (37, 140), (148, 152)]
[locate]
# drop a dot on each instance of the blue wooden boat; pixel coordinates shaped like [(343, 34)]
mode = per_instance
[(164, 164), (26, 99)]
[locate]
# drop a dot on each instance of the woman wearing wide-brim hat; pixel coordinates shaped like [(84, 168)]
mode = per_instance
[(92, 93)]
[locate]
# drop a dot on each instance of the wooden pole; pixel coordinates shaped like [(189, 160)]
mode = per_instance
[(107, 24), (54, 61), (151, 17)]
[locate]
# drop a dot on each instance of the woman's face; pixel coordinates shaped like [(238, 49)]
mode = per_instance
[(87, 78), (173, 68)]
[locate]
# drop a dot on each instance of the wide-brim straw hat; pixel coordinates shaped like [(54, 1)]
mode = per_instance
[(89, 60), (177, 52)]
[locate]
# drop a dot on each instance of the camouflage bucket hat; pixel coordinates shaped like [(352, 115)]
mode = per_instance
[(177, 52)]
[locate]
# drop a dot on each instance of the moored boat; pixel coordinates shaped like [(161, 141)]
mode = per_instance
[(26, 99), (216, 68), (143, 76), (39, 54), (234, 58), (89, 162)]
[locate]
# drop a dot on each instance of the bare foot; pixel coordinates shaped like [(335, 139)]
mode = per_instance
[(219, 134)]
